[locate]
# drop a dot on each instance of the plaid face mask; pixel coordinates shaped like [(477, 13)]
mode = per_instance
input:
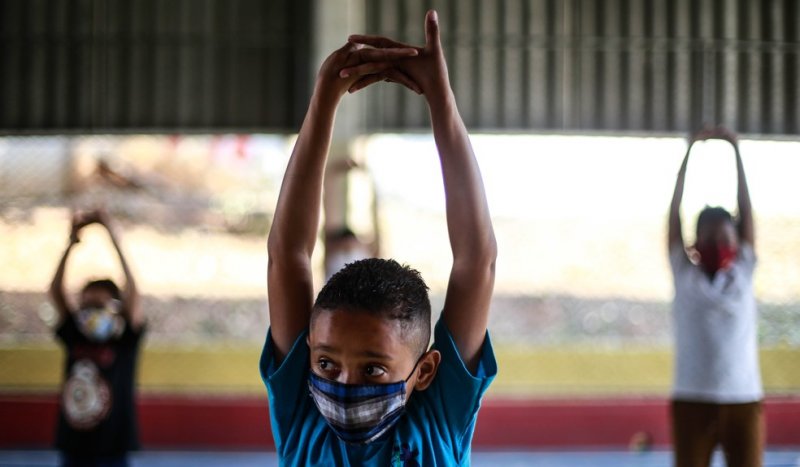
[(359, 413)]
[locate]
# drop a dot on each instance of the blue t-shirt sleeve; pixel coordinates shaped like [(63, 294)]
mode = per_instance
[(458, 392), (286, 386)]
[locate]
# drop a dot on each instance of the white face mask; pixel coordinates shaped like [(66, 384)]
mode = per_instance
[(101, 324)]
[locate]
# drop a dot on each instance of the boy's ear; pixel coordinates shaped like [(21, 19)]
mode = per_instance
[(428, 366)]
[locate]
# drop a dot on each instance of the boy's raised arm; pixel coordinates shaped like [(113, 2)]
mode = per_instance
[(296, 220), (472, 240), (469, 291)]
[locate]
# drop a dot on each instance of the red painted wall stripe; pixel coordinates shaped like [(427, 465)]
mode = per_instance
[(242, 423)]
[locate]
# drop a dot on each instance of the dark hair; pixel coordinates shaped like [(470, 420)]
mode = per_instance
[(713, 215), (104, 284), (385, 288)]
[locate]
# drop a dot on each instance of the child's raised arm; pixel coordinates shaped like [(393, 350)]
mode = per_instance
[(469, 291), (746, 224), (296, 220), (57, 293), (131, 302), (674, 233)]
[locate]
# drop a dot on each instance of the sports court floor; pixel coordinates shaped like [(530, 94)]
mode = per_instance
[(774, 458)]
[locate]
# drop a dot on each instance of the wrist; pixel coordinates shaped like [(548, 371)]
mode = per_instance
[(325, 95), (440, 98)]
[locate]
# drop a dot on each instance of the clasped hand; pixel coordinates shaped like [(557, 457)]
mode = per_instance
[(365, 60), (81, 219)]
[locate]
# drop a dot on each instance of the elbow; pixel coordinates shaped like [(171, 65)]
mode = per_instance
[(274, 247), (490, 255), (276, 251), (54, 291), (280, 257), (492, 265), (481, 257), (485, 253), (282, 248), (271, 256), (131, 291), (279, 243)]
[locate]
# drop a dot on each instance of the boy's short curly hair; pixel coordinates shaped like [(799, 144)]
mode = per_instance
[(385, 288), (713, 215)]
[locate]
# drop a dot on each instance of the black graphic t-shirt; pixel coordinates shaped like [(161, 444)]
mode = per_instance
[(97, 415)]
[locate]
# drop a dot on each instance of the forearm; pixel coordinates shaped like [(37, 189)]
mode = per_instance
[(131, 303), (677, 196), (746, 223), (296, 220), (675, 234), (57, 292), (131, 290), (469, 290), (468, 220), (743, 193)]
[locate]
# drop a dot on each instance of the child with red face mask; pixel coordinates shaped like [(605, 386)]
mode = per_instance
[(716, 395)]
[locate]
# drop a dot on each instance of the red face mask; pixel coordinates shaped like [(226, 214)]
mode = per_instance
[(714, 258)]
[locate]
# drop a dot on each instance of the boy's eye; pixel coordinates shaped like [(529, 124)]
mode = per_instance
[(373, 370), (325, 365)]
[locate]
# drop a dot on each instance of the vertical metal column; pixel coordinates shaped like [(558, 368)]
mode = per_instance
[(333, 21)]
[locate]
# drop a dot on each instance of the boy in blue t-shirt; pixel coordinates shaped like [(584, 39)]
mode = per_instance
[(350, 376)]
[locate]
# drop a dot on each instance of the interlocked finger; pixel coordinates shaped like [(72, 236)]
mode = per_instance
[(378, 55), (396, 76), (380, 42), (364, 82), (369, 68)]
